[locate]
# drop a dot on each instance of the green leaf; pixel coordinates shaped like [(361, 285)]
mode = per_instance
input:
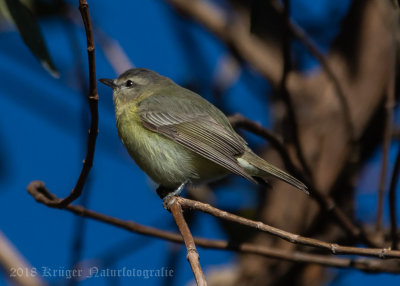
[(29, 30)]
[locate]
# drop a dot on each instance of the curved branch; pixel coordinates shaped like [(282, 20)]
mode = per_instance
[(93, 100)]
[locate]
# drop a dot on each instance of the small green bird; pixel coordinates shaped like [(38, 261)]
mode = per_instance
[(178, 137)]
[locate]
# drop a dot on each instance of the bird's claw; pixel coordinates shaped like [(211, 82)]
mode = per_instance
[(169, 199)]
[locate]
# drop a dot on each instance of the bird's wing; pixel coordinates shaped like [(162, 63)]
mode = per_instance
[(195, 129)]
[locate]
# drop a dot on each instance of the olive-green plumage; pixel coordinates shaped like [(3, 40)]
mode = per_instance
[(176, 136)]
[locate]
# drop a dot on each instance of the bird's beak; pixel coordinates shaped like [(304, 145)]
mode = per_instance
[(107, 81)]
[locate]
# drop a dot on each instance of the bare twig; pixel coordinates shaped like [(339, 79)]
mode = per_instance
[(39, 192), (93, 99), (292, 238), (78, 237), (192, 254)]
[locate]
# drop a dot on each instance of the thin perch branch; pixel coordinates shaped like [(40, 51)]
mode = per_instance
[(290, 237), (192, 254), (39, 192)]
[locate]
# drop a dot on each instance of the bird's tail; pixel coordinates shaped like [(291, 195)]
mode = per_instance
[(258, 167)]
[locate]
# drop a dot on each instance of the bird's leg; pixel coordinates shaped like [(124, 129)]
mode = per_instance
[(166, 194)]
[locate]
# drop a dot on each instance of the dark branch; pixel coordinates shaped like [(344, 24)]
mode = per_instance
[(93, 100)]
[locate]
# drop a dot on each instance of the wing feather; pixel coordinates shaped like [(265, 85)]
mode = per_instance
[(196, 130)]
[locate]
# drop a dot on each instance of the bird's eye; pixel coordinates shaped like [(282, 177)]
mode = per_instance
[(129, 83)]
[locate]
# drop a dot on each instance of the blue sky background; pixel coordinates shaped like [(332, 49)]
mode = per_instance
[(43, 137)]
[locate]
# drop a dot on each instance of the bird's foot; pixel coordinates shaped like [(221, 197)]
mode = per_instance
[(168, 198)]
